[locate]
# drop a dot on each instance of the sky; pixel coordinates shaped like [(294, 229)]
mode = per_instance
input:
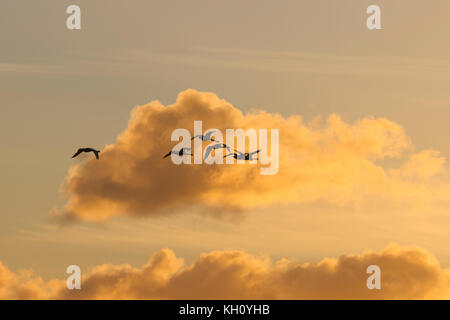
[(363, 118)]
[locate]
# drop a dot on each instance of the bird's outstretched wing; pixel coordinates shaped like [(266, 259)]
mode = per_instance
[(230, 154), (230, 149), (207, 152), (77, 153), (209, 134), (254, 152), (170, 152), (210, 149), (96, 153)]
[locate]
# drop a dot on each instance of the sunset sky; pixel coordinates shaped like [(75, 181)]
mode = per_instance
[(364, 126)]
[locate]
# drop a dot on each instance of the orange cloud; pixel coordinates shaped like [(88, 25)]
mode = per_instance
[(422, 165), (26, 285), (333, 160), (406, 273)]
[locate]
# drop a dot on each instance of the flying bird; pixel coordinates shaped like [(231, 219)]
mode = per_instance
[(81, 150), (206, 137), (215, 147), (243, 156), (181, 152)]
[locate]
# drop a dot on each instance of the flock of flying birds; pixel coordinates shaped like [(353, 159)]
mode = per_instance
[(187, 151), (219, 145)]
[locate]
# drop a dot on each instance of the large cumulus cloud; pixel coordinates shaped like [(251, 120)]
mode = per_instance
[(323, 160), (406, 273)]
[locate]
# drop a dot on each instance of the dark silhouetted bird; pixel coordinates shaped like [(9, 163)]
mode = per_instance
[(181, 152), (81, 150)]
